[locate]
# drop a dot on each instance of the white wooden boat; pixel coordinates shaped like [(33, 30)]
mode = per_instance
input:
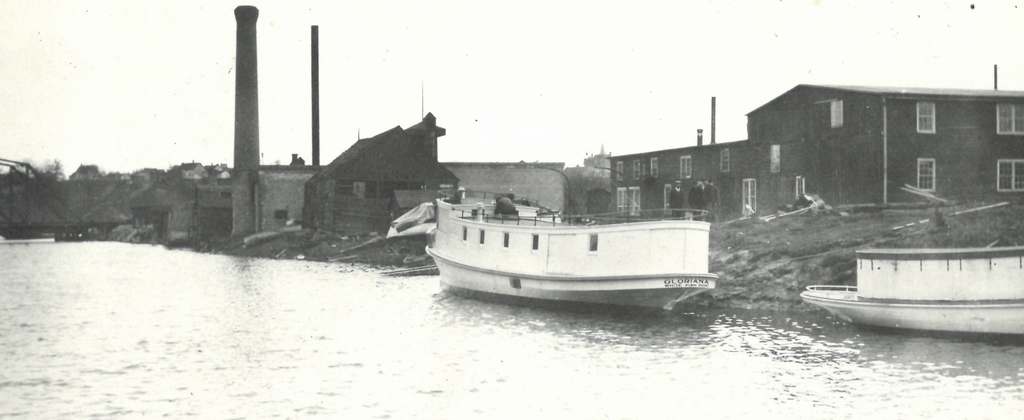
[(648, 263), (972, 290)]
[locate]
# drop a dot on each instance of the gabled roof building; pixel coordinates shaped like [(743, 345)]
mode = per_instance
[(355, 192)]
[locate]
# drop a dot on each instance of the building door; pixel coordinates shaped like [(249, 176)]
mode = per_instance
[(749, 196), (666, 192), (634, 201)]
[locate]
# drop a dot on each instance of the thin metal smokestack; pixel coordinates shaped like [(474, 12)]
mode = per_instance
[(700, 137), (315, 77), (712, 120), (995, 76), (247, 124)]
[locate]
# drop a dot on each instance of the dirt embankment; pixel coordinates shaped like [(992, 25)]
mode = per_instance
[(333, 247), (762, 265), (765, 265)]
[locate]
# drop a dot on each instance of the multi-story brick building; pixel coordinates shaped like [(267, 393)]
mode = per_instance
[(853, 145)]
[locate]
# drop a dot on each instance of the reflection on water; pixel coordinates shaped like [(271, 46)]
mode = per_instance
[(113, 330)]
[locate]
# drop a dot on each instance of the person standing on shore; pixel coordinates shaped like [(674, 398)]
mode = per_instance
[(696, 196)]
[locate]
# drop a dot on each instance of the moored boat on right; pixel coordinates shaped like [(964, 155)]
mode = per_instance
[(970, 290)]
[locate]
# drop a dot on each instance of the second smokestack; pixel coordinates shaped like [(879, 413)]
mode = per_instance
[(712, 120), (315, 77)]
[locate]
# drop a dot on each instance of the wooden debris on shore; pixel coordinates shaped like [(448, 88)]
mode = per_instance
[(342, 258), (425, 270), (971, 210), (341, 255), (927, 195), (816, 203), (261, 237)]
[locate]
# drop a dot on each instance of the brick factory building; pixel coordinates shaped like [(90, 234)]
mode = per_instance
[(850, 145)]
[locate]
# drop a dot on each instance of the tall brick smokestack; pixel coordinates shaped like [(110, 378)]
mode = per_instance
[(247, 124)]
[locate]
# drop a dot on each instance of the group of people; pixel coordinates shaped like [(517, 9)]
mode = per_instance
[(703, 195)]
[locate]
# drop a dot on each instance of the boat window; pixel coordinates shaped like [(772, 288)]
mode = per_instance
[(506, 239), (536, 241), (593, 242), (515, 283), (481, 236), (465, 233)]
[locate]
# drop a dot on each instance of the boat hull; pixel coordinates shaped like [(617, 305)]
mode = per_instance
[(995, 317), (651, 291)]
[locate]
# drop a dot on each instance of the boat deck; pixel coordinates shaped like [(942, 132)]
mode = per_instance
[(555, 219)]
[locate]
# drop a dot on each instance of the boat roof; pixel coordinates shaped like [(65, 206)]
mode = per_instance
[(940, 253)]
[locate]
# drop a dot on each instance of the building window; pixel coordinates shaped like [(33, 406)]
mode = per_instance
[(776, 157), (359, 189), (1009, 119), (536, 241), (749, 196), (654, 167), (799, 188), (636, 169), (505, 240), (481, 236), (618, 171), (836, 107), (465, 233), (634, 201), (621, 199), (1010, 175), (723, 160), (926, 117), (666, 193), (593, 242), (926, 174), (685, 166), (280, 214)]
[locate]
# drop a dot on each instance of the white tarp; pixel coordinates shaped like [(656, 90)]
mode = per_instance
[(417, 221)]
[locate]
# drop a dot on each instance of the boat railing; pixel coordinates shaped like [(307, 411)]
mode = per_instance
[(551, 219), (831, 288)]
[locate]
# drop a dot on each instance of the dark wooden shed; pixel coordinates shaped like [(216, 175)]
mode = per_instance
[(356, 192)]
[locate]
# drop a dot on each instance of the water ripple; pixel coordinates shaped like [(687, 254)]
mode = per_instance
[(103, 334)]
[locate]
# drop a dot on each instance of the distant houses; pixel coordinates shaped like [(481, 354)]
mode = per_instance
[(849, 144), (85, 172), (540, 183)]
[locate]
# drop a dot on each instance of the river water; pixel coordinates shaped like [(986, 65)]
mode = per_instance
[(129, 331)]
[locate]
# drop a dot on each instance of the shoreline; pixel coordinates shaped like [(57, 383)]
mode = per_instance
[(761, 265)]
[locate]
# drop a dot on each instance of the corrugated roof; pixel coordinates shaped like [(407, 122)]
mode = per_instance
[(738, 143), (905, 92), (981, 93)]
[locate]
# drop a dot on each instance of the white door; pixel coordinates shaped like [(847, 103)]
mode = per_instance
[(749, 196)]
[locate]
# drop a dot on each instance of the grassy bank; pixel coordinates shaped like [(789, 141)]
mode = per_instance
[(767, 265)]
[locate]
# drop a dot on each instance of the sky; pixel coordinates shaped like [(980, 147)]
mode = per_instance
[(130, 84)]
